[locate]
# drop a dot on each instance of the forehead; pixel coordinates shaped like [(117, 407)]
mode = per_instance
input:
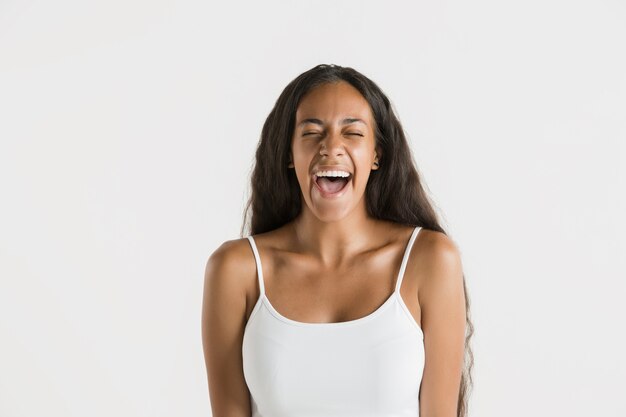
[(331, 102)]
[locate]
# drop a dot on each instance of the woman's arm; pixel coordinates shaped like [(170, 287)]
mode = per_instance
[(223, 323), (442, 304)]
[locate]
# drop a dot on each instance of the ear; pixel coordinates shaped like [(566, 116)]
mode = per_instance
[(290, 165), (377, 155)]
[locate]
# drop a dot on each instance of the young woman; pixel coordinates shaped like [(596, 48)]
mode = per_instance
[(347, 298)]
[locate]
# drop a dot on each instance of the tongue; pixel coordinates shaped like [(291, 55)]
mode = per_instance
[(331, 186)]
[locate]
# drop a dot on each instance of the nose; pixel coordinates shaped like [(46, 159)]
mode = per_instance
[(331, 145)]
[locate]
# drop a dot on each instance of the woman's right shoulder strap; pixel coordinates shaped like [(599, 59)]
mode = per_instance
[(259, 267)]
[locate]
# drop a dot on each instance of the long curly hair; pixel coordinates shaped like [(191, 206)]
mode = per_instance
[(395, 193)]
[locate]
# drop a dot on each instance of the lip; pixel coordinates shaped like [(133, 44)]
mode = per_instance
[(332, 195)]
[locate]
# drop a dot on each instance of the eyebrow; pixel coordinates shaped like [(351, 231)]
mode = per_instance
[(346, 121)]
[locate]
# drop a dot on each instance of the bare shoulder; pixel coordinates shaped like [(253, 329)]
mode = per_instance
[(438, 261), (442, 303), (223, 323), (433, 243), (230, 264)]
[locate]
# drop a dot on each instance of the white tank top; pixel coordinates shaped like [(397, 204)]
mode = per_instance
[(370, 366)]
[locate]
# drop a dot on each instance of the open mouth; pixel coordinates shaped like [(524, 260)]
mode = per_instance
[(329, 186)]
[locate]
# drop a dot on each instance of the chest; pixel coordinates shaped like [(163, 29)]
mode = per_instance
[(302, 290)]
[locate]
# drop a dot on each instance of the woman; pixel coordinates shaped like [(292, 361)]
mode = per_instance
[(347, 298)]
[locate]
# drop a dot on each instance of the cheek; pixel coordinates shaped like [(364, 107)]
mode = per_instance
[(303, 178), (299, 153), (301, 158), (302, 173), (360, 180), (363, 168)]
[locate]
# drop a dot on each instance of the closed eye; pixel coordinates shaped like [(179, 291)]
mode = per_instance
[(316, 133)]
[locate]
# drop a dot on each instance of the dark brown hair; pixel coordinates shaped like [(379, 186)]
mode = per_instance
[(394, 193)]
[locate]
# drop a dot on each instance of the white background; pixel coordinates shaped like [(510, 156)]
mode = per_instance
[(128, 131)]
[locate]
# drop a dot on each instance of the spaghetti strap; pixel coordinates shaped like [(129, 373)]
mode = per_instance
[(259, 268), (405, 258)]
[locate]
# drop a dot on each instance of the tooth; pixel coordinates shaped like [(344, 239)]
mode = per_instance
[(341, 174)]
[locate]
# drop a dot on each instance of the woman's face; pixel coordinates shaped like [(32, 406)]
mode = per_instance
[(334, 131)]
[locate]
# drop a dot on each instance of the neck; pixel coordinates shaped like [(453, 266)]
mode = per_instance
[(334, 242)]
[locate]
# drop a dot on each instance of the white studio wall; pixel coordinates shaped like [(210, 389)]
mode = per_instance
[(127, 137)]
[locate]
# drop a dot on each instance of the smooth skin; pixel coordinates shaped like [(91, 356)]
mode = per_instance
[(335, 263)]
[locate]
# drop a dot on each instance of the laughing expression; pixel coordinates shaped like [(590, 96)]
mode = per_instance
[(333, 149)]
